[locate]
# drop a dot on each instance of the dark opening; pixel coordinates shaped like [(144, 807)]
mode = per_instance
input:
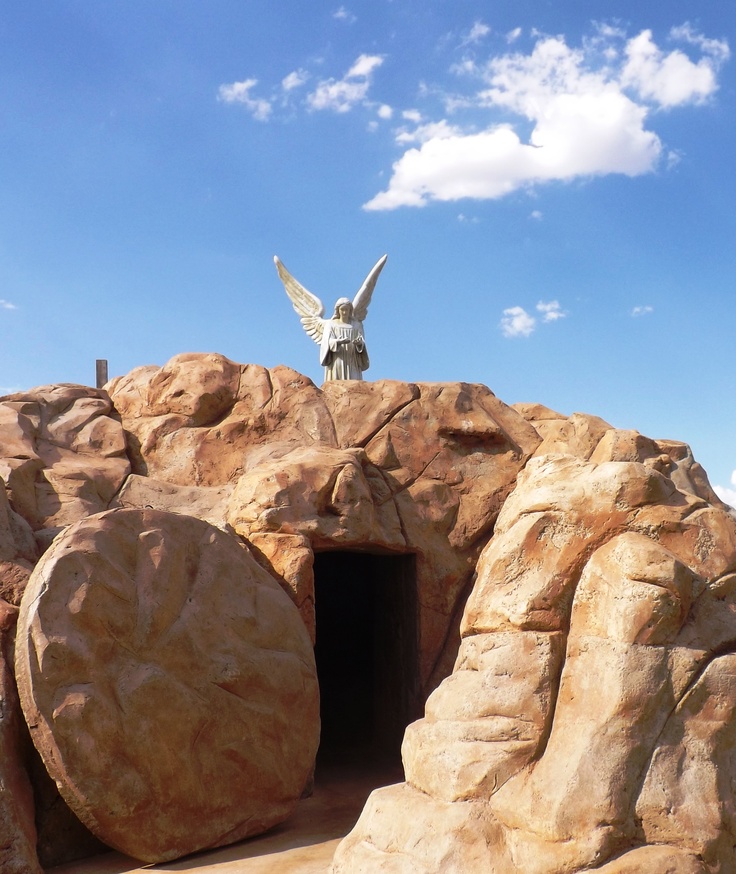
[(366, 651)]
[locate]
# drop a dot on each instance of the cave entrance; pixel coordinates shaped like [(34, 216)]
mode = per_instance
[(366, 652)]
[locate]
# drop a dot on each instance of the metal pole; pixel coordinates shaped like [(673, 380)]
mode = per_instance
[(101, 372)]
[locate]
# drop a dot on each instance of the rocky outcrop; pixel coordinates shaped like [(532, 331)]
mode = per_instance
[(17, 826), (590, 709), (160, 670), (575, 599), (420, 469), (63, 455)]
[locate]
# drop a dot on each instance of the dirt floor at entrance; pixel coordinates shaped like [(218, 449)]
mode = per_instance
[(304, 844)]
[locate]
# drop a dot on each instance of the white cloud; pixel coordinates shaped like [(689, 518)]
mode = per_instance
[(725, 494), (587, 110), (536, 214), (517, 322), (425, 132), (550, 311), (343, 14), (476, 33), (341, 95), (412, 115), (728, 496), (7, 305), (385, 111), (672, 79), (364, 66), (239, 92), (513, 35), (717, 49), (295, 79), (642, 311)]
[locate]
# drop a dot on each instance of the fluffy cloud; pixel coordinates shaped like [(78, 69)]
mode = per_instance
[(295, 79), (341, 95), (672, 79), (239, 92), (7, 305), (551, 311), (516, 322), (726, 494), (586, 111), (476, 34), (642, 311)]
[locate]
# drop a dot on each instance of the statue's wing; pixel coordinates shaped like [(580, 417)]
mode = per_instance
[(363, 297), (308, 306)]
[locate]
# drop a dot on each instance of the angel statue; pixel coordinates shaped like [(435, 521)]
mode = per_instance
[(341, 339)]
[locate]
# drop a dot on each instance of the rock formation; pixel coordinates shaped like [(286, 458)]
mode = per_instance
[(160, 669), (590, 711), (580, 578)]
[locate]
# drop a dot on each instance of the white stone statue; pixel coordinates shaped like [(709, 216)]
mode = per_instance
[(341, 339)]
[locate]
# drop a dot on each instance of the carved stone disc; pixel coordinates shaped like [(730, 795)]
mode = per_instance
[(168, 682)]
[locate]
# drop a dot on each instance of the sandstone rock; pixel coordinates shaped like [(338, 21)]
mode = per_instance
[(62, 838), (578, 435), (361, 409), (486, 721), (635, 579), (17, 828), (66, 456), (161, 671), (687, 799), (653, 860), (18, 551), (321, 493), (410, 841), (205, 441), (204, 502), (290, 559), (592, 696)]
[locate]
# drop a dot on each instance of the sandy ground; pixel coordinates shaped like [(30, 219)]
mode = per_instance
[(304, 844)]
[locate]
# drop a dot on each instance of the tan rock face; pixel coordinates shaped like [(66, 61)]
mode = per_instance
[(193, 421), (17, 828), (160, 669), (586, 573), (591, 707), (65, 455), (386, 465)]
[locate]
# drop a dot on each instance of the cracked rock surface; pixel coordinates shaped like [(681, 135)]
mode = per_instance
[(575, 609)]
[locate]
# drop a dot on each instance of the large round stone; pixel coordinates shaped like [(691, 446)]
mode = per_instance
[(168, 682)]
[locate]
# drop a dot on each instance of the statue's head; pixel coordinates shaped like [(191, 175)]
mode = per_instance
[(343, 309)]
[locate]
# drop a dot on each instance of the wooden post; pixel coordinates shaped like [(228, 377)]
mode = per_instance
[(101, 372)]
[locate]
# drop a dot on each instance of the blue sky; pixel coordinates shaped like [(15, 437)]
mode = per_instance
[(553, 184)]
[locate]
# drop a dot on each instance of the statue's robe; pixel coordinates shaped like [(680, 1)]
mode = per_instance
[(343, 360)]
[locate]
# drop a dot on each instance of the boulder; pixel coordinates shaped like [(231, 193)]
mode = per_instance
[(385, 465), (574, 601), (194, 421), (66, 456), (17, 826), (590, 711), (161, 671)]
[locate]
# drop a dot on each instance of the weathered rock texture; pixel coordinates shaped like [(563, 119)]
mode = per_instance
[(160, 670), (580, 578), (384, 465), (591, 707), (17, 827)]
